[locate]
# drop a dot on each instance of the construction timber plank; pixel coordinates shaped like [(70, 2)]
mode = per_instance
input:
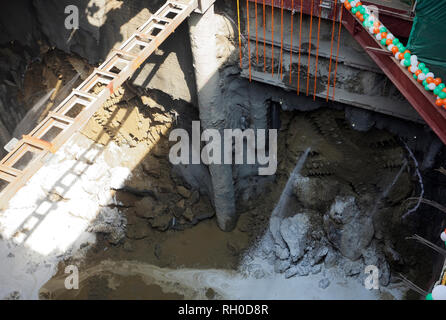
[(34, 151)]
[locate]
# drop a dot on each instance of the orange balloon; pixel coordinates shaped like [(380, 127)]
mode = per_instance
[(376, 30), (429, 80), (358, 13), (437, 81), (361, 18), (401, 56), (418, 72), (395, 50), (439, 102), (407, 51), (383, 35), (376, 24), (419, 81), (444, 90), (389, 41), (348, 6), (359, 4)]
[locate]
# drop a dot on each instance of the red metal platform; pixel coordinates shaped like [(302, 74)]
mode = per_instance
[(399, 22)]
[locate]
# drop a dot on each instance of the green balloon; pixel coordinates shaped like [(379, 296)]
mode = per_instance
[(383, 41), (396, 41), (406, 63), (421, 66), (426, 88), (429, 296), (425, 70), (441, 86), (366, 16), (425, 83), (415, 76), (383, 29), (407, 56), (354, 10), (437, 91), (402, 49), (442, 95)]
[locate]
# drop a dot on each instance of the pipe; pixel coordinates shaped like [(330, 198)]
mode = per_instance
[(212, 116)]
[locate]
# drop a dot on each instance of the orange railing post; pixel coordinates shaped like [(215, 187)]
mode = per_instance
[(317, 48), (300, 42), (331, 49), (257, 36), (291, 40), (281, 40), (239, 35), (309, 46), (249, 41), (337, 53), (272, 37)]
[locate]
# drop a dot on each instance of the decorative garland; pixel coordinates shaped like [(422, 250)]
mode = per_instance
[(439, 291), (419, 70)]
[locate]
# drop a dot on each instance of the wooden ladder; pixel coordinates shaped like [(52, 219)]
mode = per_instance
[(31, 152)]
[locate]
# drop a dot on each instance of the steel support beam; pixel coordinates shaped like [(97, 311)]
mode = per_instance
[(420, 99), (397, 20)]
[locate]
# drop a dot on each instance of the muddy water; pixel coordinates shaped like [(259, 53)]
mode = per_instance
[(165, 265), (115, 280), (136, 280)]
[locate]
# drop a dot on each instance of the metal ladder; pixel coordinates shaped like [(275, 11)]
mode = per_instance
[(32, 151)]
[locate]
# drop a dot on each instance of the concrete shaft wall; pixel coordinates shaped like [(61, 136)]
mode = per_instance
[(359, 81)]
